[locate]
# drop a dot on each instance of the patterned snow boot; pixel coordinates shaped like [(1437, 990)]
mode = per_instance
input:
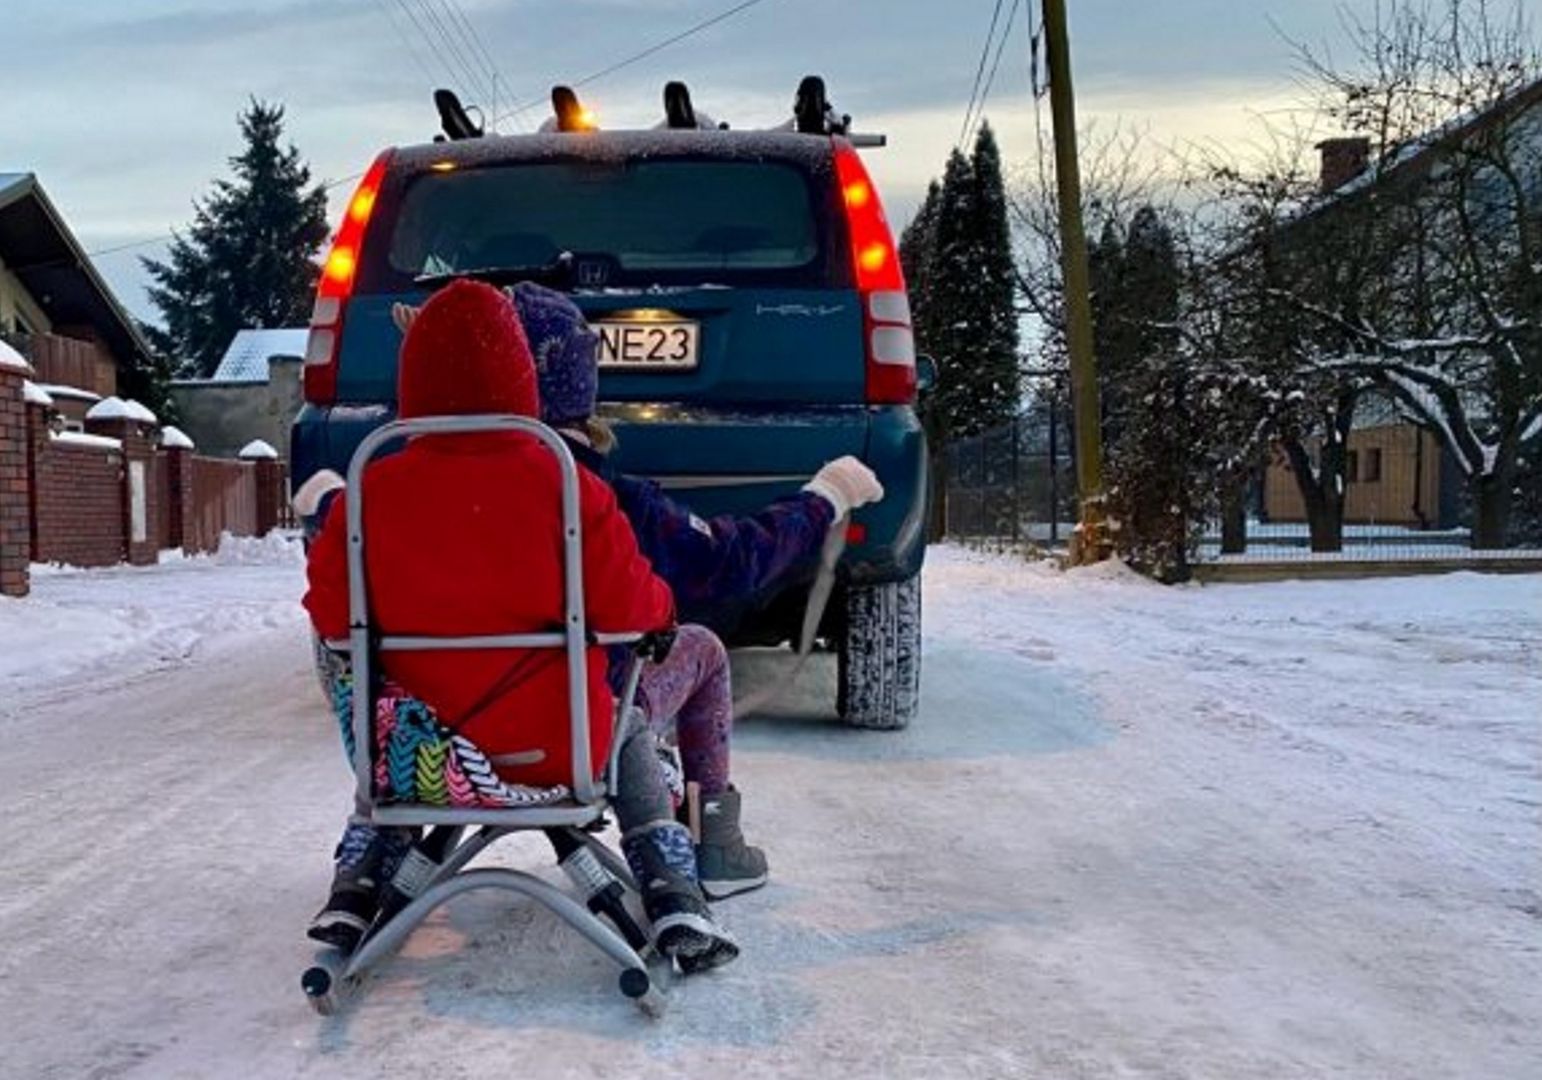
[(683, 929), (725, 864), (366, 858)]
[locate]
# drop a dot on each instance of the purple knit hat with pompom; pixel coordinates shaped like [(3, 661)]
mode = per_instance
[(566, 353)]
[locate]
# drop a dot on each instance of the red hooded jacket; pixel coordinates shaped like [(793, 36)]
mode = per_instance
[(463, 535)]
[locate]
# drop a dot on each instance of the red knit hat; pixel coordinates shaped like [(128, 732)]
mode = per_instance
[(466, 353)]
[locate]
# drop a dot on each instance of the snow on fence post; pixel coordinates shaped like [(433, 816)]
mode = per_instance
[(178, 449), (134, 425), (270, 484), (15, 500)]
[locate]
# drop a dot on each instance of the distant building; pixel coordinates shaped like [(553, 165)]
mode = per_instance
[(56, 311), (253, 394)]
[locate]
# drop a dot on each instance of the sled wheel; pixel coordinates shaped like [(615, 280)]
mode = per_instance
[(320, 990), (637, 985), (879, 669)]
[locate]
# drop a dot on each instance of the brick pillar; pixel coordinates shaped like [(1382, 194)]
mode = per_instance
[(38, 433), (179, 495), (270, 493), (139, 488), (15, 485)]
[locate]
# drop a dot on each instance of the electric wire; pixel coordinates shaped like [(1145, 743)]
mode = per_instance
[(638, 56), (979, 74), (990, 81)]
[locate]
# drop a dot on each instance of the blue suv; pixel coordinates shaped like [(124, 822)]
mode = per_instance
[(754, 325)]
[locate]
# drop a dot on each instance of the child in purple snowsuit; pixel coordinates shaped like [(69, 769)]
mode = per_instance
[(718, 571)]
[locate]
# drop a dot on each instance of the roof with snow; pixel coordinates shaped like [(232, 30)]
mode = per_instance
[(38, 248), (75, 393), (257, 450), (246, 360), (1415, 157)]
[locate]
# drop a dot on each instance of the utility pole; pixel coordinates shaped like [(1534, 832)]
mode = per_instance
[(1091, 542)]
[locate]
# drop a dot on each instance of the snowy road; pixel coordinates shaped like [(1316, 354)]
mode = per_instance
[(1285, 830)]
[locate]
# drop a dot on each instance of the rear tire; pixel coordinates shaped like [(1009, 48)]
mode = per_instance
[(879, 669)]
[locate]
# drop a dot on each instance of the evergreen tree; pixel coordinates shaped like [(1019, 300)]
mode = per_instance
[(1153, 430), (917, 244), (948, 301), (995, 314), (249, 258), (969, 311)]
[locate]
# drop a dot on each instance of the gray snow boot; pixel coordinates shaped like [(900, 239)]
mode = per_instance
[(682, 924), (725, 864)]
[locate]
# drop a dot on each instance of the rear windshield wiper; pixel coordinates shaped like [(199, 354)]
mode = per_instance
[(557, 274)]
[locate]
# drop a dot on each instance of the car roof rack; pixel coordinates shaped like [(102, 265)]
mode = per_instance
[(453, 118), (812, 114)]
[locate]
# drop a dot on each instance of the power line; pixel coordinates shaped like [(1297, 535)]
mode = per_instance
[(611, 69), (171, 233), (985, 52), (990, 80), (643, 54), (406, 38), (476, 48), (471, 79)]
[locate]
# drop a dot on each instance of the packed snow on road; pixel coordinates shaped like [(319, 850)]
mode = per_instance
[(1281, 830)]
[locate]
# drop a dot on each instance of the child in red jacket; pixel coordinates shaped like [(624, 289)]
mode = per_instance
[(463, 537)]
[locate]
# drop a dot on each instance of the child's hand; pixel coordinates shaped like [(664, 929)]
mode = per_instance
[(307, 498), (846, 483)]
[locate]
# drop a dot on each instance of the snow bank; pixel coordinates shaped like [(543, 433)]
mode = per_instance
[(278, 548), (116, 622)]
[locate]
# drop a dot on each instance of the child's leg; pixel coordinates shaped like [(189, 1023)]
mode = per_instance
[(691, 688), (659, 851)]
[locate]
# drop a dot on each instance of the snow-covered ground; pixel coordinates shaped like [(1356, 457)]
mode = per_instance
[(1279, 830)]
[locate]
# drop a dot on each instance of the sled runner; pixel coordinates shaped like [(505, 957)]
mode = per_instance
[(412, 772)]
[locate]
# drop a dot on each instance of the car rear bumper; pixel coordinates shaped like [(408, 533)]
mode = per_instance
[(719, 461)]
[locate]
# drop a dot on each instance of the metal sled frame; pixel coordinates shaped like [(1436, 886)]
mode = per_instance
[(324, 983)]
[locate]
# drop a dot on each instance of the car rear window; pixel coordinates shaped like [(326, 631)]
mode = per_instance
[(649, 218)]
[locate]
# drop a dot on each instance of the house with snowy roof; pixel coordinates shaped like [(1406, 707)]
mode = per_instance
[(1452, 409), (57, 312), (253, 394)]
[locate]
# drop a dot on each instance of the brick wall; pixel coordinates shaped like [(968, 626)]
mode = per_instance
[(114, 494), (15, 513), (79, 501)]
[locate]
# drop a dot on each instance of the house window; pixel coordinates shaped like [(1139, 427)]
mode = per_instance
[(1372, 473), (1352, 465)]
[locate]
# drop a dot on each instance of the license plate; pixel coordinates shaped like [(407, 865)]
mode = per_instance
[(652, 345)]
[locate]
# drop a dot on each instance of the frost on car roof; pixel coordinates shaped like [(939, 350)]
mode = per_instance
[(812, 152)]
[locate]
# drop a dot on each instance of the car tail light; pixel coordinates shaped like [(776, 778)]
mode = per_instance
[(336, 286), (887, 336)]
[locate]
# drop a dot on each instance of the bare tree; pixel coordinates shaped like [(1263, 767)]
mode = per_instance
[(1449, 94)]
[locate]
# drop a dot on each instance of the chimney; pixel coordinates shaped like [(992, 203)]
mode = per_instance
[(1343, 160)]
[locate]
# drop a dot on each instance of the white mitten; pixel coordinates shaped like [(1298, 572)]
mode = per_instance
[(402, 315), (846, 484), (308, 496)]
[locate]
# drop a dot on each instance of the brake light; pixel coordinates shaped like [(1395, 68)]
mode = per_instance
[(336, 286), (889, 341)]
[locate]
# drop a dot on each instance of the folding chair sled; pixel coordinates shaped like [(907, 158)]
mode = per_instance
[(411, 772)]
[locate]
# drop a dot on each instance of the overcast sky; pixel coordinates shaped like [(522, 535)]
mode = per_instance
[(126, 108)]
